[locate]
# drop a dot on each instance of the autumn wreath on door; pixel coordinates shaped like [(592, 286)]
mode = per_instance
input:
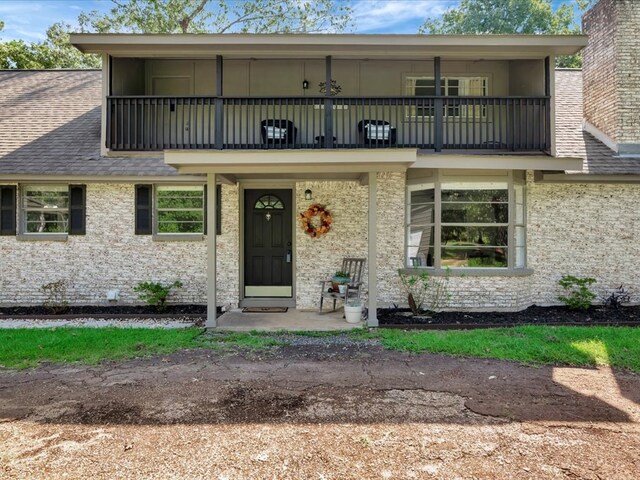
[(316, 220)]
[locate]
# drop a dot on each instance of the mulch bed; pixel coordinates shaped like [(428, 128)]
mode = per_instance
[(534, 315), (105, 311)]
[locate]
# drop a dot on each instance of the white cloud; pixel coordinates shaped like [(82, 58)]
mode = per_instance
[(29, 20), (29, 34), (399, 16)]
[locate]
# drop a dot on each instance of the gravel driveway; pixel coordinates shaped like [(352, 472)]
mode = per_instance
[(318, 411)]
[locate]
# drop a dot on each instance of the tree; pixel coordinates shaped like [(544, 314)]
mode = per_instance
[(510, 17), (53, 52), (220, 16), (176, 16)]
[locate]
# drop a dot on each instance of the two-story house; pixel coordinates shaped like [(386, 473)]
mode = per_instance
[(191, 157)]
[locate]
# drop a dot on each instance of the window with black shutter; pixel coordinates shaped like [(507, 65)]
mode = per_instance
[(77, 209), (7, 209), (143, 209)]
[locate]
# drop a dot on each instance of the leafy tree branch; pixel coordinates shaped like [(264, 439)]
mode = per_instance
[(511, 17)]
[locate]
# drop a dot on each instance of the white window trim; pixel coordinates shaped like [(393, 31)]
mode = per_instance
[(174, 236), (437, 180), (23, 234)]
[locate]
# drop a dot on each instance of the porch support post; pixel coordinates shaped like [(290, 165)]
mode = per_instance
[(328, 105), (211, 251), (105, 124), (372, 319), (219, 106), (438, 106), (549, 91)]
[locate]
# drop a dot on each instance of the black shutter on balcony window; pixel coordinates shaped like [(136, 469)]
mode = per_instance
[(7, 209), (77, 209), (143, 209), (218, 209)]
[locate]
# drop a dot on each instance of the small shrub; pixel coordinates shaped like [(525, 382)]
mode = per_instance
[(425, 292), (579, 296), (56, 297), (156, 294), (616, 298)]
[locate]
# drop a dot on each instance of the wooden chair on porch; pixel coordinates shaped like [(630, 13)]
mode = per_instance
[(354, 268)]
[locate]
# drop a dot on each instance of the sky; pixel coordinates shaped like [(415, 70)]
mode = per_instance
[(29, 19)]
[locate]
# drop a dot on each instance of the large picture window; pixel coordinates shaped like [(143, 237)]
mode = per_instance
[(180, 209), (45, 208), (466, 224)]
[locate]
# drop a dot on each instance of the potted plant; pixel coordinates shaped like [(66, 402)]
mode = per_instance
[(353, 310), (340, 280)]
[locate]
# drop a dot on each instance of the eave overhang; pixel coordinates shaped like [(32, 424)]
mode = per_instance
[(338, 45), (291, 162), (575, 177), (498, 162)]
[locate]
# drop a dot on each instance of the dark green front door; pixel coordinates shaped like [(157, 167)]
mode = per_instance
[(268, 252)]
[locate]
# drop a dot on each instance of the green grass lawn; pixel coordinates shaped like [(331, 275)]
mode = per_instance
[(610, 346), (22, 348), (613, 346)]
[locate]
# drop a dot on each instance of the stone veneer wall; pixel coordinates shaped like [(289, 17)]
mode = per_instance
[(319, 258), (584, 230), (391, 235), (611, 69), (110, 256), (590, 230)]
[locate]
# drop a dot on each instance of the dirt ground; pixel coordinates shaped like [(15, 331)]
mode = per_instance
[(319, 413)]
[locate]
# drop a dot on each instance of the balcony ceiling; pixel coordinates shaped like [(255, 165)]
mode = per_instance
[(468, 47)]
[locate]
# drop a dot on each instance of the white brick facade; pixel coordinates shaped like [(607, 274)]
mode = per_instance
[(111, 256), (320, 258), (584, 230)]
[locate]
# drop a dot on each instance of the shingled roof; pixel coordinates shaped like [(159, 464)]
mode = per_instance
[(573, 141), (50, 125)]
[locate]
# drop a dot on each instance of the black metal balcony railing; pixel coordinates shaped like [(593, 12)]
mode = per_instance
[(144, 123)]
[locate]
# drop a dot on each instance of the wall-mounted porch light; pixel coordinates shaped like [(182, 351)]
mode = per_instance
[(305, 84), (308, 194)]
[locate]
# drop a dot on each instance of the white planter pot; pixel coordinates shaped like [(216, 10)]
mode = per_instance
[(353, 314), (342, 289)]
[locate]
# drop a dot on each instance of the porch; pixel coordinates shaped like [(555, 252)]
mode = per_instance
[(292, 320), (278, 264)]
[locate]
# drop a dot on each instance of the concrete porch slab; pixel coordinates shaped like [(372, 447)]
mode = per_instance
[(293, 320)]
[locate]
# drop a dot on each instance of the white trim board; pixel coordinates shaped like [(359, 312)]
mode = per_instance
[(498, 162)]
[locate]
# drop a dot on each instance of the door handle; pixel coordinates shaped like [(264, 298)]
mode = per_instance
[(288, 256)]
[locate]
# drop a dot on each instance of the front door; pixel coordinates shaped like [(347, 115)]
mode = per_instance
[(268, 254)]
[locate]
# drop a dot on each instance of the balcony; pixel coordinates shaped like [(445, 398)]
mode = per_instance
[(492, 124)]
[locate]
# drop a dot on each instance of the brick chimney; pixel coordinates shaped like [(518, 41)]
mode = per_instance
[(611, 74)]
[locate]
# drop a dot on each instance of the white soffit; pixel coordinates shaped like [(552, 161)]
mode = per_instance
[(338, 45), (507, 162), (291, 161)]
